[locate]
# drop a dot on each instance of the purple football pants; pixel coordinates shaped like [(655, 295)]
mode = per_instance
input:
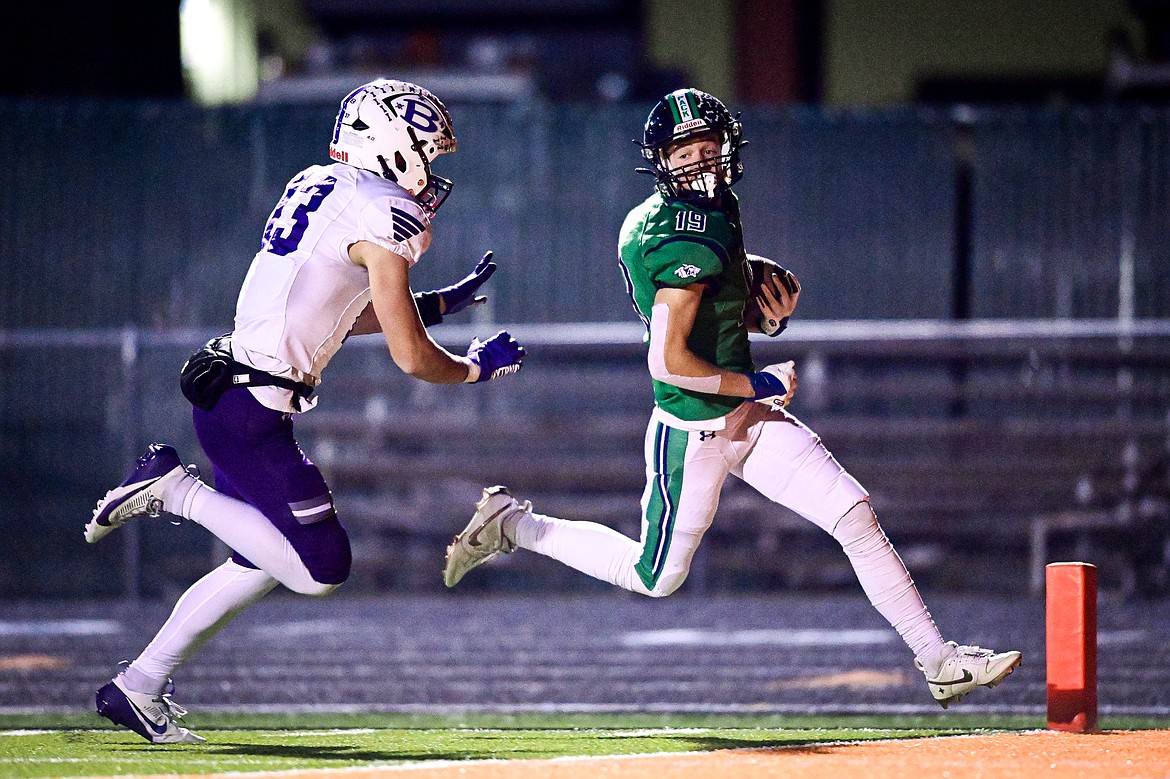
[(256, 459)]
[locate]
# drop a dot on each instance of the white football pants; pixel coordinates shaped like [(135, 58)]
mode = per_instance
[(685, 470)]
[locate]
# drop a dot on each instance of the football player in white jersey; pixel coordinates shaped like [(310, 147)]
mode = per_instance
[(334, 261)]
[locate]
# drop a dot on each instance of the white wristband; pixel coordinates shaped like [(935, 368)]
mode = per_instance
[(472, 370)]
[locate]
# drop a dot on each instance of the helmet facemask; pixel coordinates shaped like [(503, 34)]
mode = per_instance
[(395, 130), (434, 191), (703, 179)]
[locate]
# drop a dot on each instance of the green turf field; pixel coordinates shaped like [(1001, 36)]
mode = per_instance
[(45, 745)]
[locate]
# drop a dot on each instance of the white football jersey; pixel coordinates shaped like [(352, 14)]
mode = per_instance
[(303, 293)]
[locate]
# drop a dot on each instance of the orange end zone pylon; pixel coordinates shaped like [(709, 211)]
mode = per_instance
[(1071, 633)]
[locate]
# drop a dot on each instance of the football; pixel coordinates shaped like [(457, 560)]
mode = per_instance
[(764, 272)]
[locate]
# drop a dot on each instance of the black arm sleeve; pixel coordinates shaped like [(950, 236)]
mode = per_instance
[(428, 308)]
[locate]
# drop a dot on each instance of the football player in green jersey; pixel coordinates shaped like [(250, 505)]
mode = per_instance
[(682, 254)]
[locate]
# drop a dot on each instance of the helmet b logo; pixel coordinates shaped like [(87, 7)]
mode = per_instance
[(419, 114)]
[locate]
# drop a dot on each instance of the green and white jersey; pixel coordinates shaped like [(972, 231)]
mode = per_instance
[(670, 243)]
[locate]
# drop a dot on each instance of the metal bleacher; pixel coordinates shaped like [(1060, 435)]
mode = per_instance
[(985, 450), (989, 447)]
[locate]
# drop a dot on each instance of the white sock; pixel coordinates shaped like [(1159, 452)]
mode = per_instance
[(246, 530), (933, 661), (203, 610), (888, 585), (593, 549)]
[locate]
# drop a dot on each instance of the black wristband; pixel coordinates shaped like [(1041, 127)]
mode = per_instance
[(428, 308)]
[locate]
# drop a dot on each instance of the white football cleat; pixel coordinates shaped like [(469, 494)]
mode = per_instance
[(141, 492), (483, 539), (969, 667), (154, 717)]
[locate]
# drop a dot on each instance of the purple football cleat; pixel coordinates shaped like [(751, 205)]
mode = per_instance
[(141, 492), (154, 717)]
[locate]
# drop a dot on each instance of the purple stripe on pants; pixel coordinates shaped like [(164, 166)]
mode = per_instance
[(256, 459)]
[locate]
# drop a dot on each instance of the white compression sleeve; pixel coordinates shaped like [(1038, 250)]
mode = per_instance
[(659, 318), (594, 549), (207, 606), (886, 581)]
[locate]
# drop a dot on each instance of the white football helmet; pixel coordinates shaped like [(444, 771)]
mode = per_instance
[(396, 129)]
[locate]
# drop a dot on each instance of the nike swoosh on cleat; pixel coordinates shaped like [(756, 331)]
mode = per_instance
[(963, 680), (138, 486), (473, 539), (160, 729)]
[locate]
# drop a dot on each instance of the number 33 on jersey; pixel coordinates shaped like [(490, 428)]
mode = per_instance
[(303, 271)]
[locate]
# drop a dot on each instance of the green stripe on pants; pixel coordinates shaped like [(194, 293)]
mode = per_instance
[(670, 449)]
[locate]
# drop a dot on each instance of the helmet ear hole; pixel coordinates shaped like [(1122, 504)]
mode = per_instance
[(399, 162), (387, 172), (359, 125)]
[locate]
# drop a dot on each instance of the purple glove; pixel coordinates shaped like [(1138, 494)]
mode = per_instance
[(497, 356), (461, 294)]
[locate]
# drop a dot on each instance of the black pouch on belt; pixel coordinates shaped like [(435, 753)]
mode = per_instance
[(211, 371)]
